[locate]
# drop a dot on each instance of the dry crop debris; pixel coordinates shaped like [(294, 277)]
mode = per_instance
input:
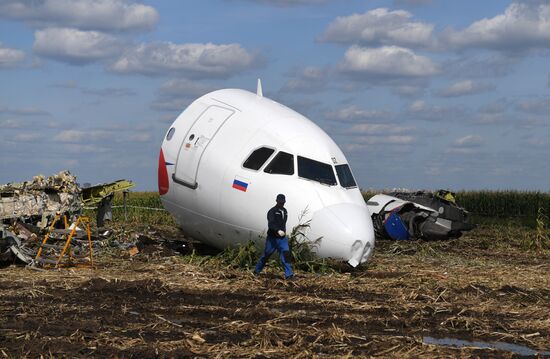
[(156, 304)]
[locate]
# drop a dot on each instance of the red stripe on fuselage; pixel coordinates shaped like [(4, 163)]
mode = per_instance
[(163, 181)]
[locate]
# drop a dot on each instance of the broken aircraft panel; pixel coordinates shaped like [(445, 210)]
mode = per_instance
[(415, 215), (42, 197)]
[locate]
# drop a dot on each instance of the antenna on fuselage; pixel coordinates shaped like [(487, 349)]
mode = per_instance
[(259, 91)]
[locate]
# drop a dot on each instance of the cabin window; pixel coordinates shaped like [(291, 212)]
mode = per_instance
[(345, 177), (316, 171), (170, 134), (257, 158), (282, 164)]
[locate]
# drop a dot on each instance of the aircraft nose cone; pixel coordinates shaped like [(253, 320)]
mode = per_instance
[(346, 232)]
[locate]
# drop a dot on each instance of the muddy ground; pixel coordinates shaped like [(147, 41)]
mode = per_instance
[(157, 304)]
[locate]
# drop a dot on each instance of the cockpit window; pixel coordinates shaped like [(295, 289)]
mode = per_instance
[(316, 171), (282, 164), (345, 176), (257, 158)]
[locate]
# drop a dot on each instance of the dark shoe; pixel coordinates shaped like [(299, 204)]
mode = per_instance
[(290, 277)]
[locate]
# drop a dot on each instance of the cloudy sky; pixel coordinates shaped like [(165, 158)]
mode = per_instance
[(418, 93)]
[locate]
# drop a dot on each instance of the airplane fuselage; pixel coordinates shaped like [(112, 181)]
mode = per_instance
[(227, 156)]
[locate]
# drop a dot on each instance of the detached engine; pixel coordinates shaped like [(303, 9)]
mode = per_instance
[(413, 215)]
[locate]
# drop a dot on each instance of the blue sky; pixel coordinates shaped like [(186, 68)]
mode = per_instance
[(418, 93)]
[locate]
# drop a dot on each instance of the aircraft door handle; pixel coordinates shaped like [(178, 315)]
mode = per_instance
[(183, 183)]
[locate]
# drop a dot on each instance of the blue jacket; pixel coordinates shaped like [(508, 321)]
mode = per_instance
[(276, 221)]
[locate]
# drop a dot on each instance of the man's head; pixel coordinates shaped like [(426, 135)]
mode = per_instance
[(281, 200)]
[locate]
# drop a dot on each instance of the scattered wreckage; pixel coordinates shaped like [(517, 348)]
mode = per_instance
[(41, 219), (418, 215), (39, 200)]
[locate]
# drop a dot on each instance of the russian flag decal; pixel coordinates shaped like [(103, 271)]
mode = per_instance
[(240, 185)]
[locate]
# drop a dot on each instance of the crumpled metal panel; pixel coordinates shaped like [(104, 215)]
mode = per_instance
[(43, 196)]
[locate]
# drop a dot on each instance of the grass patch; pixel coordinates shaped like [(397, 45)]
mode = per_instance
[(246, 256), (142, 207)]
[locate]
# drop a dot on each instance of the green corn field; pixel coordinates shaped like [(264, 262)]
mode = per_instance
[(497, 207), (522, 208), (142, 207), (517, 217), (504, 204)]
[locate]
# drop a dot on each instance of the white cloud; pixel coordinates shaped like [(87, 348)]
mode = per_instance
[(74, 46), (100, 92), (380, 129), (108, 92), (490, 119), (419, 110), (498, 106), (408, 90), (530, 123), (522, 26), (10, 123), (380, 27), (418, 106), (168, 119), (140, 137), (170, 104), (412, 2), (466, 87), (23, 111), (537, 142), (468, 141), (309, 79), (10, 57), (354, 113), (85, 149), (103, 15), (27, 137), (191, 60), (483, 65), (70, 136), (285, 3), (387, 61), (462, 151), (540, 105), (184, 88), (74, 136), (174, 95), (363, 142)]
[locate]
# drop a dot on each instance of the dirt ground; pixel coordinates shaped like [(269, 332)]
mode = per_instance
[(154, 305)]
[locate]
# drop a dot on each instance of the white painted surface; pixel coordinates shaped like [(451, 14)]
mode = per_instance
[(222, 216)]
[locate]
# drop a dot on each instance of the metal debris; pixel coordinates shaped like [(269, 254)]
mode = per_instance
[(40, 199), (94, 194), (33, 212), (423, 214)]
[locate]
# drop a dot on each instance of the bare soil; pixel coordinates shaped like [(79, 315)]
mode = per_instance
[(157, 304)]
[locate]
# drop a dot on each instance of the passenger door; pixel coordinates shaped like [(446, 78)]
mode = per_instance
[(195, 142)]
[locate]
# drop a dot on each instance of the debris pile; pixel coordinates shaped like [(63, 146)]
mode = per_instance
[(25, 243), (413, 215), (39, 200), (60, 247), (39, 219)]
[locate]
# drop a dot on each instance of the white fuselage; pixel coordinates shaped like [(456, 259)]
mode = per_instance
[(217, 200)]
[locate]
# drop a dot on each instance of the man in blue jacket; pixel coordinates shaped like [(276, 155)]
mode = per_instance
[(276, 238)]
